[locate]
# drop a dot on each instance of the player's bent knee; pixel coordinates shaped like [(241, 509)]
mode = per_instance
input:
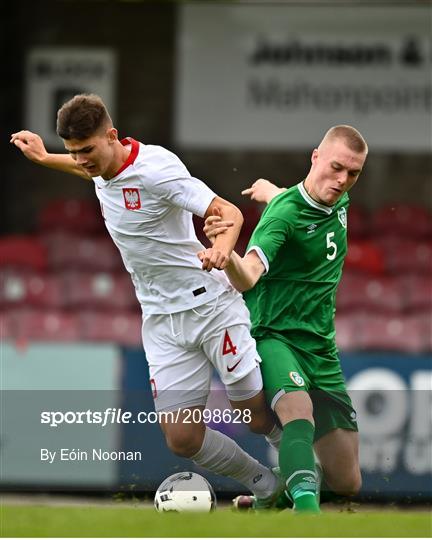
[(183, 441), (349, 485)]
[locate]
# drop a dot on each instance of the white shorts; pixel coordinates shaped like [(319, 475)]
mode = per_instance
[(182, 349)]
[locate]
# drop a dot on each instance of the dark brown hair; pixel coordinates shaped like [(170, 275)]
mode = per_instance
[(82, 116), (352, 138)]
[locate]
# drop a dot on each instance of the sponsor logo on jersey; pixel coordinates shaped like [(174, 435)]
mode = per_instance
[(296, 378), (342, 216), (311, 228), (132, 198)]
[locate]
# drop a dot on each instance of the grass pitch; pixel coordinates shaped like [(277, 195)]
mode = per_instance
[(106, 522)]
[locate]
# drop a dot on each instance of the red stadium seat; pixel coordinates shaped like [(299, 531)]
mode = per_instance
[(417, 292), (350, 293), (380, 293), (99, 290), (22, 252), (406, 256), (402, 220), (365, 256), (31, 288), (7, 326), (66, 252), (45, 325), (407, 334), (358, 222), (122, 328), (78, 216)]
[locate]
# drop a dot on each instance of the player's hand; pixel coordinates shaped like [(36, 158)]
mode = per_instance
[(262, 191), (30, 144), (213, 258), (214, 225)]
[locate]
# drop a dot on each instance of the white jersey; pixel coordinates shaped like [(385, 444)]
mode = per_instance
[(148, 207)]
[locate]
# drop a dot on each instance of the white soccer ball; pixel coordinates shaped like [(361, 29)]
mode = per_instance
[(185, 492)]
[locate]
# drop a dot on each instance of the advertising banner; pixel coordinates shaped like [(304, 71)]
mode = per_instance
[(56, 74), (278, 75)]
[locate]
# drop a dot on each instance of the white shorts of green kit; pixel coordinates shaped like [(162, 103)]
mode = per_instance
[(182, 349)]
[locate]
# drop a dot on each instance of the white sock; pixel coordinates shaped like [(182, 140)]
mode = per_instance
[(274, 437), (221, 455)]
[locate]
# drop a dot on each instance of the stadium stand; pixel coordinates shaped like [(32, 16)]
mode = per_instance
[(122, 328), (417, 290), (66, 251), (374, 293), (18, 251), (99, 290), (358, 222), (28, 288), (402, 220), (365, 256), (407, 255), (46, 325), (347, 331), (78, 216), (7, 330), (401, 333)]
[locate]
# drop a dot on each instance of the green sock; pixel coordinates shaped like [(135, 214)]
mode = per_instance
[(297, 464)]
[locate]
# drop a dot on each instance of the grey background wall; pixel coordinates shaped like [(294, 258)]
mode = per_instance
[(144, 37)]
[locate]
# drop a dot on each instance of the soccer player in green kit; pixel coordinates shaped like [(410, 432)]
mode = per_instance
[(289, 277)]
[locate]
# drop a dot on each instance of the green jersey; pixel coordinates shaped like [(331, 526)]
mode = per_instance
[(302, 245)]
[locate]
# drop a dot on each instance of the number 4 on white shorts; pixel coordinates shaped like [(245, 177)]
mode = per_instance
[(228, 345)]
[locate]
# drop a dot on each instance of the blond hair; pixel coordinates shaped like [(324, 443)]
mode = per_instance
[(351, 137)]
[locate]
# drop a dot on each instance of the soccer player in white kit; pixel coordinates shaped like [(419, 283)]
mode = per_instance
[(193, 320)]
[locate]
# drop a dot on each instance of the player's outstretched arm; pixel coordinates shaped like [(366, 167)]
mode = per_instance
[(263, 191), (244, 272), (223, 243), (33, 148)]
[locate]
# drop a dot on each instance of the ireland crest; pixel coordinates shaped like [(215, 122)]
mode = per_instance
[(342, 217)]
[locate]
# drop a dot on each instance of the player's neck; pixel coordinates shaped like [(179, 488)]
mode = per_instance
[(120, 155), (308, 185)]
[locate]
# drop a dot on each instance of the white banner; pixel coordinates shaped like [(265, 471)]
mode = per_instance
[(54, 75), (278, 76)]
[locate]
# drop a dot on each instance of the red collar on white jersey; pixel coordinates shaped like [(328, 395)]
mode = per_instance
[(132, 155)]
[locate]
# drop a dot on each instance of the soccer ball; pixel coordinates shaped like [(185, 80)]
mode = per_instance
[(185, 492)]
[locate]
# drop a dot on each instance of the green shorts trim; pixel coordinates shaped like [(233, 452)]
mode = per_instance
[(287, 368)]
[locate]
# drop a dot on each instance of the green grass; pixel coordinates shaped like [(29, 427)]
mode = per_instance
[(80, 521)]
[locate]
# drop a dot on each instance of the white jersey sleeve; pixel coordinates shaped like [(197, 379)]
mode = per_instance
[(171, 181)]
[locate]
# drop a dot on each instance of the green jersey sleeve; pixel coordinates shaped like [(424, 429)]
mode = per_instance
[(271, 232)]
